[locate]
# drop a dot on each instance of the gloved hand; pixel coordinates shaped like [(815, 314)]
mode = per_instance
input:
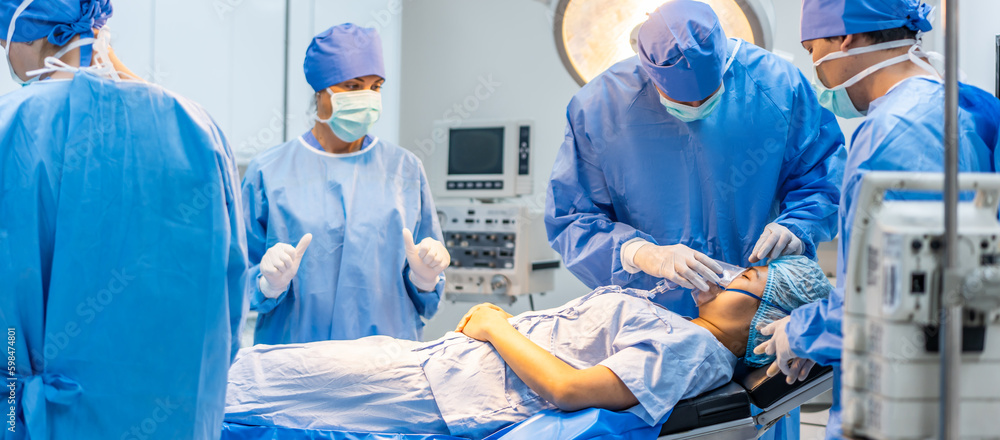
[(795, 368), (775, 241), (279, 266), (678, 263), (427, 260)]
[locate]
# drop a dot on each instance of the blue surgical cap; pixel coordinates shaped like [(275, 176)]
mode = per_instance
[(57, 20), (792, 281), (683, 49), (343, 52), (834, 18)]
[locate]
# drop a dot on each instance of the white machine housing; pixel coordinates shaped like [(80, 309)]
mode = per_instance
[(891, 360), (496, 249), (480, 159)]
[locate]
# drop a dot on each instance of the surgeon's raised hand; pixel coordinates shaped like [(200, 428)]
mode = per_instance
[(678, 263), (775, 241), (481, 319), (795, 368), (427, 260), (279, 266)]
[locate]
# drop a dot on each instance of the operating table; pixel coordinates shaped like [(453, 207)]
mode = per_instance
[(725, 413)]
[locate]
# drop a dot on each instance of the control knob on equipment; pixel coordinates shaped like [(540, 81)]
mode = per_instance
[(499, 284), (981, 290)]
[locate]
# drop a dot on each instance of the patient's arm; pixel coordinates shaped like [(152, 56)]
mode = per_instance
[(568, 388)]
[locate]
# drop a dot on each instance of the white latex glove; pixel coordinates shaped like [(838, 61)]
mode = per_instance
[(775, 241), (279, 266), (794, 368), (427, 260), (678, 263)]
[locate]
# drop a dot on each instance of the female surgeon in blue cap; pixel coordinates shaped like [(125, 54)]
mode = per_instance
[(868, 63), (122, 250), (350, 200)]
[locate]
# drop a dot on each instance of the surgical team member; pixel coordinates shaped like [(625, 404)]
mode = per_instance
[(356, 198), (122, 250), (868, 64), (702, 148)]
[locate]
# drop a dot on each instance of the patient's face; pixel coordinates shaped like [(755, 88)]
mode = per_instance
[(752, 280), (732, 312)]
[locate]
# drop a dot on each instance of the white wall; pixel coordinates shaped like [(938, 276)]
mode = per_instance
[(229, 56), (453, 46), (978, 28)]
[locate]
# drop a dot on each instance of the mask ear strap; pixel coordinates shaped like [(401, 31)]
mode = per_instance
[(315, 114), (733, 56), (872, 69), (102, 64), (754, 296), (917, 55), (722, 86), (866, 49), (762, 300)]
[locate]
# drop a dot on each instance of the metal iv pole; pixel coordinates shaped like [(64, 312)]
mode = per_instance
[(951, 305)]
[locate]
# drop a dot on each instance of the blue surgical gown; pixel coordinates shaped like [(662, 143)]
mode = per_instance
[(353, 280), (902, 132), (628, 169), (122, 257), (466, 389)]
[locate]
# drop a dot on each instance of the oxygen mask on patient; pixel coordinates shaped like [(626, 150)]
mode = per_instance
[(729, 273)]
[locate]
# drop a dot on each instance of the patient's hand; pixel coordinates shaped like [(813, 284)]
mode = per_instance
[(481, 318)]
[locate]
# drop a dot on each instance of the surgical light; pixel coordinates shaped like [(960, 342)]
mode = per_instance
[(592, 35)]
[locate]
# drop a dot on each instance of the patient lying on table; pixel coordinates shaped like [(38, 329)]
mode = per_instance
[(611, 348)]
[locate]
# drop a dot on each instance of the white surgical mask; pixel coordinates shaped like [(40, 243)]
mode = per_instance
[(689, 113), (837, 100), (354, 113)]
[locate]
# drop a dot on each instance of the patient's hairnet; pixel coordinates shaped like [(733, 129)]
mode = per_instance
[(683, 49), (57, 20), (343, 52), (833, 18), (792, 281)]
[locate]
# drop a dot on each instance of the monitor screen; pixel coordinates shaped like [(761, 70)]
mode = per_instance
[(475, 151)]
